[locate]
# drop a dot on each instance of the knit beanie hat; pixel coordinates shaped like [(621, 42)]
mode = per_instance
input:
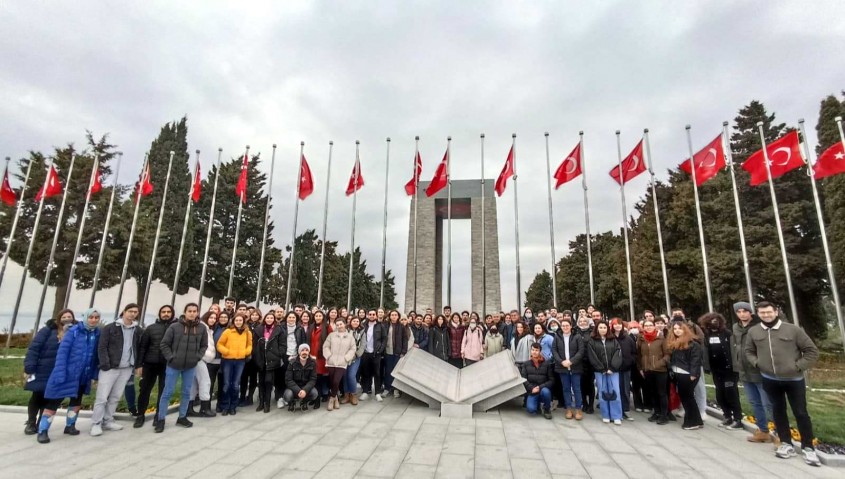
[(742, 305), (303, 347)]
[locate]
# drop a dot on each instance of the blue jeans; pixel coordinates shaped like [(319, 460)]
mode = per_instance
[(625, 389), (531, 402), (390, 362), (232, 371), (571, 387), (607, 383), (170, 377), (350, 384), (760, 405)]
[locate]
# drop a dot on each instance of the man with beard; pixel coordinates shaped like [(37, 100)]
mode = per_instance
[(152, 362)]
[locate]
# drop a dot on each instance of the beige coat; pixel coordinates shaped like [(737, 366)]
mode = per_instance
[(339, 349)]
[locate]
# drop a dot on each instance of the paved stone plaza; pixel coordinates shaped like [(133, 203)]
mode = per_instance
[(396, 438)]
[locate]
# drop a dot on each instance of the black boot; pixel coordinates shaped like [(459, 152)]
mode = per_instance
[(159, 426), (31, 428), (205, 409), (260, 406), (43, 437), (292, 405), (266, 408), (139, 421), (191, 411), (316, 404), (183, 421), (303, 405), (71, 430)]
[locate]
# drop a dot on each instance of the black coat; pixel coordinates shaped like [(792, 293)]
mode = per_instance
[(41, 356), (420, 336), (298, 333), (184, 344), (438, 342), (299, 377), (379, 337), (149, 349), (542, 375), (628, 345), (110, 346), (400, 338), (605, 357), (577, 351), (267, 353), (587, 366), (717, 352), (687, 359)]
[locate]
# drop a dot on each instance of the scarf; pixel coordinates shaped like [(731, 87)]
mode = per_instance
[(651, 336)]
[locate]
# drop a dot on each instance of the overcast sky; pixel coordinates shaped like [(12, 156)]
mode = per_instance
[(285, 72)]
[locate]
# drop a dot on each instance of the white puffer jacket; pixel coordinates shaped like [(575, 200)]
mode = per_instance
[(210, 351)]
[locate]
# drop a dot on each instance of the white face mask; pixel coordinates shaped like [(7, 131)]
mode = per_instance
[(553, 328), (529, 315), (472, 325), (634, 331)]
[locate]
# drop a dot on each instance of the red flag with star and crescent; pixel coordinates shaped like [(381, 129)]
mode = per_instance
[(196, 189), (441, 177), (784, 156), (411, 186), (570, 167), (306, 181), (97, 185), (52, 185), (831, 162), (145, 186), (7, 194), (240, 189), (632, 166), (356, 180), (507, 172), (707, 162)]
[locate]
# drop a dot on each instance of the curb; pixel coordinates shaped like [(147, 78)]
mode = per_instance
[(86, 413)]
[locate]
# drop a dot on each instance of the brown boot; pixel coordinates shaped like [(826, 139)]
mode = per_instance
[(336, 402), (330, 403), (353, 399), (569, 414), (345, 398), (579, 415), (759, 436)]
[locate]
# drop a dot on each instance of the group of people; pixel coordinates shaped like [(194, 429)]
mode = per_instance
[(304, 357)]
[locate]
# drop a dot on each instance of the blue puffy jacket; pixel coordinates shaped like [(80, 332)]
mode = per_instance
[(41, 356), (76, 363)]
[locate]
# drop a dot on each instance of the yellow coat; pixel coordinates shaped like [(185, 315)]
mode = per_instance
[(234, 345)]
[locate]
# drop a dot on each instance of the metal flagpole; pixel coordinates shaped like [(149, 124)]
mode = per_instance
[(700, 225), (15, 221), (325, 223), (266, 225), (791, 292), (483, 240), (81, 229), (53, 247), (516, 228), (416, 200), (449, 218), (657, 222), (104, 240), (155, 241), (384, 228), (295, 218), (730, 166), (829, 262), (551, 224), (131, 237), (354, 205), (210, 226), (184, 232), (28, 255), (587, 217), (625, 227), (237, 233)]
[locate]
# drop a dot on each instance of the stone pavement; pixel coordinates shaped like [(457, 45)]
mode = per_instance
[(397, 438)]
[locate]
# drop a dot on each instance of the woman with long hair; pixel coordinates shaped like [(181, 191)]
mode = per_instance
[(316, 337), (606, 357), (396, 347), (685, 363), (39, 363), (223, 320), (249, 379), (521, 343), (438, 338), (234, 345), (350, 378), (339, 351), (213, 366), (267, 356), (628, 345), (456, 337)]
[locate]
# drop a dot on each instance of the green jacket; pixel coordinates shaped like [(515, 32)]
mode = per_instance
[(747, 372), (781, 351)]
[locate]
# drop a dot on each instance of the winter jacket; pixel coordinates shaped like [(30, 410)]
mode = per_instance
[(507, 331), (41, 356), (298, 334), (782, 351), (456, 338), (438, 342), (628, 345), (299, 377), (541, 375), (358, 335), (546, 341), (522, 348), (235, 345), (339, 349), (653, 356), (110, 347), (267, 353), (577, 351), (400, 338), (747, 372), (210, 350), (493, 343), (687, 359), (149, 347), (420, 336), (184, 344), (76, 363), (717, 351), (472, 344), (585, 335), (216, 334), (605, 356), (379, 336)]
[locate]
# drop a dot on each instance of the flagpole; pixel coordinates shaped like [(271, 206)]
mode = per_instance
[(210, 226), (551, 224), (131, 235), (295, 218), (81, 228), (325, 223), (793, 306), (483, 240), (828, 261), (105, 237), (354, 205), (625, 227), (53, 247), (657, 223), (516, 227), (15, 221), (28, 254), (237, 233), (384, 228), (449, 219), (700, 225), (266, 225), (587, 217), (745, 264), (416, 200), (155, 242), (184, 232)]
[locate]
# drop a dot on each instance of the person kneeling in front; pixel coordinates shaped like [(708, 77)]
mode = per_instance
[(300, 379), (539, 381)]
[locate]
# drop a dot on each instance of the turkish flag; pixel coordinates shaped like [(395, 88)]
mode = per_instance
[(784, 156), (831, 162), (52, 185), (632, 165), (441, 176), (707, 162), (7, 194), (306, 181), (240, 189), (196, 189), (570, 168), (507, 172), (145, 186), (356, 181), (97, 185), (411, 186)]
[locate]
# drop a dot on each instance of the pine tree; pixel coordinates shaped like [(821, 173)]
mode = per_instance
[(539, 295), (832, 188)]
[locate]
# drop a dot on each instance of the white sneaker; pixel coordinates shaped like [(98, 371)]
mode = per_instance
[(379, 398), (606, 421), (112, 426), (363, 397), (396, 393), (785, 451), (618, 422), (96, 430), (811, 458), (281, 403)]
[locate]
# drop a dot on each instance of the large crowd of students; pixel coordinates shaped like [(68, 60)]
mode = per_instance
[(303, 358)]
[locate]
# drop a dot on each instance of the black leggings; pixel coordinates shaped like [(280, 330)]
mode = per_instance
[(55, 404), (249, 380), (727, 394), (36, 405), (213, 371), (266, 380), (335, 377), (686, 390), (588, 388), (656, 388), (150, 375)]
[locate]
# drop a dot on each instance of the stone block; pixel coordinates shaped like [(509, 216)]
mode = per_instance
[(456, 410)]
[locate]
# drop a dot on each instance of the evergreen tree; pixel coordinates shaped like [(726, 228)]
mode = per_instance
[(832, 188), (539, 296)]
